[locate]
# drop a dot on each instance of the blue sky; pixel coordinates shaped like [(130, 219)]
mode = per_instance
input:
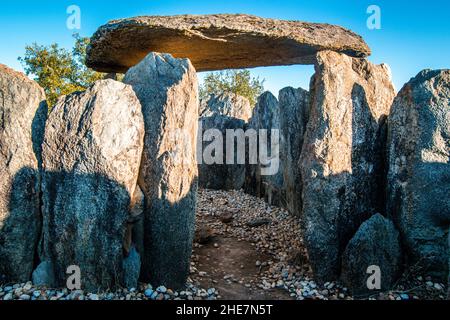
[(414, 35)]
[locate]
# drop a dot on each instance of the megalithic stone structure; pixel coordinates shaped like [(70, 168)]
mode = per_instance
[(342, 161), (419, 171), (23, 112), (168, 91), (218, 41), (91, 155)]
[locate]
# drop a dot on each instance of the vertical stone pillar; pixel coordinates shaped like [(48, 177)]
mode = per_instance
[(168, 91), (419, 170), (342, 161), (91, 155), (23, 111), (294, 113)]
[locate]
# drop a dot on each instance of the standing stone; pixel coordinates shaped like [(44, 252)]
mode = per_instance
[(375, 244), (168, 91), (294, 113), (419, 170), (222, 113), (231, 105), (23, 112), (91, 155), (342, 156), (266, 116), (220, 176)]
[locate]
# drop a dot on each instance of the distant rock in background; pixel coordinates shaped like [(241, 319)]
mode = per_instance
[(223, 112), (342, 160), (294, 114), (23, 112), (266, 116), (258, 222), (220, 176), (91, 156), (204, 235), (228, 216), (168, 91), (227, 104), (419, 170), (376, 243)]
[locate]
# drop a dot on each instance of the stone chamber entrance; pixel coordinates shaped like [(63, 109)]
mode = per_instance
[(247, 249), (247, 246), (115, 192)]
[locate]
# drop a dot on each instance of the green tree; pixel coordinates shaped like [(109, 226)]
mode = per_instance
[(57, 70), (238, 82)]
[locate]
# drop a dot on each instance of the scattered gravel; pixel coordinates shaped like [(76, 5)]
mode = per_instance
[(272, 232), (26, 291)]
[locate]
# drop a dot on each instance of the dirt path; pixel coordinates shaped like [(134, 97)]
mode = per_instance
[(243, 248), (248, 250), (229, 266)]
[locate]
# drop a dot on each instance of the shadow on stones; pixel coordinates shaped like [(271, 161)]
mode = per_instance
[(367, 181), (428, 232), (20, 232), (347, 199), (71, 218), (168, 239), (222, 176), (84, 223)]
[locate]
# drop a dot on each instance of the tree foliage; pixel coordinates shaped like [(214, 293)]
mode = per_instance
[(239, 82), (57, 70)]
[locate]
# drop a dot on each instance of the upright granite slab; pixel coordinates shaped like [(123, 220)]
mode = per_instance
[(168, 91), (267, 185), (219, 41), (419, 170), (294, 114), (221, 114), (376, 244), (227, 104), (23, 111), (91, 155), (342, 161)]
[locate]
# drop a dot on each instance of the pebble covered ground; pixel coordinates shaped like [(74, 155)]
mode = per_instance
[(270, 233), (276, 234)]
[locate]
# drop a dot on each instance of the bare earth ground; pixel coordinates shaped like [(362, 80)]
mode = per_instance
[(268, 261), (244, 249), (235, 260), (247, 249)]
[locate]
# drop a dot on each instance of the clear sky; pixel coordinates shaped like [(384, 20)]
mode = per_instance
[(414, 34)]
